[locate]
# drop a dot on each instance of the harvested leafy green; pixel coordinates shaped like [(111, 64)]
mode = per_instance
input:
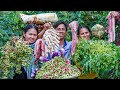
[(14, 55), (98, 56), (57, 68)]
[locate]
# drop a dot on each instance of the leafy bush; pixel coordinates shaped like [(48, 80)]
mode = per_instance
[(11, 24), (98, 56), (12, 57), (57, 68)]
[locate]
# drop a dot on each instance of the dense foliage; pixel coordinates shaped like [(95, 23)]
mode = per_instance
[(98, 56), (12, 57), (57, 68), (11, 24)]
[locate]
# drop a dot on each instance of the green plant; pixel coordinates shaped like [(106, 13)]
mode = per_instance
[(98, 56), (13, 56), (57, 68)]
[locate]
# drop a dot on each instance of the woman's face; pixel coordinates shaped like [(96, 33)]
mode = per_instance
[(84, 33), (31, 35)]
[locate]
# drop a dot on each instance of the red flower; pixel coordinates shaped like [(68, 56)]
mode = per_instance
[(61, 67), (61, 73), (68, 61), (46, 76), (66, 69)]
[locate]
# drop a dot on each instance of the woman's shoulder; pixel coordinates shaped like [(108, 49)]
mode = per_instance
[(32, 45)]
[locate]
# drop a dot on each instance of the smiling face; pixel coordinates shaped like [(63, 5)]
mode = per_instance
[(40, 27), (30, 35), (61, 29), (84, 33)]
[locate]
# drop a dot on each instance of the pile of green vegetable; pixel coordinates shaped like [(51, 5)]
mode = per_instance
[(98, 56), (13, 55), (57, 68)]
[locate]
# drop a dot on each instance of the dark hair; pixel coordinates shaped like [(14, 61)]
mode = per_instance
[(29, 26), (56, 24), (79, 28)]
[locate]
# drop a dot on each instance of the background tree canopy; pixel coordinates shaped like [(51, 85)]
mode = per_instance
[(11, 24)]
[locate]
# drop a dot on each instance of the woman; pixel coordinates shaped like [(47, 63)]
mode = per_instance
[(84, 32), (29, 37)]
